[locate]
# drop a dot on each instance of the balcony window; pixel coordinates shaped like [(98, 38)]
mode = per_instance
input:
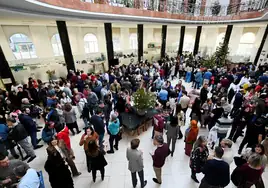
[(56, 45), (22, 47), (116, 43), (91, 43)]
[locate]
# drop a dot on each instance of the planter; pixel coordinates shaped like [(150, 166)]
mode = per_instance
[(141, 112)]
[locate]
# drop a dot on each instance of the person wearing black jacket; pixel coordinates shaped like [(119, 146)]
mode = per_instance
[(204, 94), (18, 133), (30, 127), (217, 171), (99, 126)]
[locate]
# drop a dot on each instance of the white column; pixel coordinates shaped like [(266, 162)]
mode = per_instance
[(237, 32), (257, 43), (101, 40)]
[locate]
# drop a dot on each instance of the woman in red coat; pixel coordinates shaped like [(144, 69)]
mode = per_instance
[(63, 134), (191, 136)]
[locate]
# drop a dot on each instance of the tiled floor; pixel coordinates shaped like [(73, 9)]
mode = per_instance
[(176, 172)]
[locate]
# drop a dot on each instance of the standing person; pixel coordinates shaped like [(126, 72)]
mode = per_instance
[(204, 93), (97, 159), (206, 109), (48, 132), (216, 171), (90, 135), (196, 110), (191, 134), (238, 101), (198, 79), (18, 133), (228, 155), (30, 126), (99, 126), (184, 101), (163, 96), (67, 90), (135, 162), (215, 115), (198, 157), (223, 125), (28, 177), (58, 172), (249, 173), (159, 157), (115, 89), (172, 132), (92, 101), (65, 99), (70, 118), (114, 128)]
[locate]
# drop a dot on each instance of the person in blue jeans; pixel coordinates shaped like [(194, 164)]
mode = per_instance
[(99, 126), (113, 127)]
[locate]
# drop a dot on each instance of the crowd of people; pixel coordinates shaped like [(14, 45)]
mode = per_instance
[(230, 102)]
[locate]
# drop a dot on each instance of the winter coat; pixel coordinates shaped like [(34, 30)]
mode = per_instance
[(64, 135), (28, 123), (70, 117), (198, 158), (114, 127), (17, 133), (48, 134), (58, 172)]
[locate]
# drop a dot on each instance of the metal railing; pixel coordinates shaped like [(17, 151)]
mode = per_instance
[(191, 9)]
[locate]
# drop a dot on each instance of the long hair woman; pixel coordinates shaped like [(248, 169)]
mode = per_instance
[(58, 172), (97, 159), (198, 157), (70, 118), (90, 135)]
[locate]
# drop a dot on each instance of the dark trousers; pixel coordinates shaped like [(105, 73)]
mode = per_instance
[(243, 143), (72, 166), (72, 126), (33, 136), (184, 110), (94, 173), (111, 141), (236, 131), (134, 178), (204, 184)]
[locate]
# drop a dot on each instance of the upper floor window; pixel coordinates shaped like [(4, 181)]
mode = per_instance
[(56, 45), (91, 43), (22, 47), (246, 44), (133, 41)]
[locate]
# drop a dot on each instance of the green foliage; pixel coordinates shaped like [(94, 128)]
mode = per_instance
[(144, 100), (221, 53), (209, 62)]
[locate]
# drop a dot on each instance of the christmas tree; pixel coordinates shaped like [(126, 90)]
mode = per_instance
[(221, 53)]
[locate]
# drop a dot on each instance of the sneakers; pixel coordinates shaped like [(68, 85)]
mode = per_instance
[(156, 181), (195, 179), (145, 183), (110, 152), (38, 146), (31, 158), (78, 174)]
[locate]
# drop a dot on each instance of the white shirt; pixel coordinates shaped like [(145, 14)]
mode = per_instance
[(30, 180), (228, 155)]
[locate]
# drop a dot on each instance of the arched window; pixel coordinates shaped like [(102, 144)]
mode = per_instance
[(116, 43), (220, 39), (56, 45), (133, 41), (246, 44), (91, 43), (22, 47), (188, 43)]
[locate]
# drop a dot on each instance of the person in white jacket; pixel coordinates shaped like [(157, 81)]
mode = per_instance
[(228, 155)]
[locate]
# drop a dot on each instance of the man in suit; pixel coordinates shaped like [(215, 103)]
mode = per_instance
[(135, 163), (217, 171), (99, 126)]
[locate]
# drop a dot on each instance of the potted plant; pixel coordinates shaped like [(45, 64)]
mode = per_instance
[(51, 74), (143, 101)]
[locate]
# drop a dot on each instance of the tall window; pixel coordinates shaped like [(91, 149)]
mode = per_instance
[(56, 45), (91, 43), (116, 43), (188, 43), (246, 44), (133, 41), (22, 47), (220, 39)]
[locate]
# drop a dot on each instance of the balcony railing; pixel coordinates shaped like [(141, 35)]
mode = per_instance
[(191, 9)]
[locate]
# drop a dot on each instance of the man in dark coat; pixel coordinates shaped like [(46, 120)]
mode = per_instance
[(204, 93)]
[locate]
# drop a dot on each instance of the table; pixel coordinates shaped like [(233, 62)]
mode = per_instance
[(135, 124)]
